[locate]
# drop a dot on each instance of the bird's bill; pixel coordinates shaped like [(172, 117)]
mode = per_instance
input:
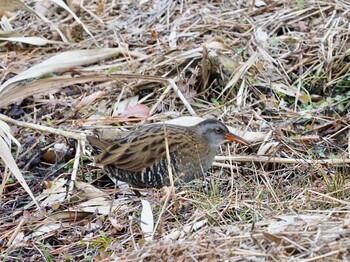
[(235, 138)]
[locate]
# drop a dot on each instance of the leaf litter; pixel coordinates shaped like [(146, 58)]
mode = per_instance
[(278, 72)]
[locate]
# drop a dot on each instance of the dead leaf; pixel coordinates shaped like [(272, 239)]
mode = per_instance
[(273, 238), (229, 64), (87, 191), (120, 106), (284, 89), (307, 139), (34, 40), (54, 193), (6, 156), (303, 26), (147, 220), (11, 6), (6, 34), (259, 3), (45, 86), (267, 147), (89, 99), (43, 7), (63, 61), (55, 154), (138, 110)]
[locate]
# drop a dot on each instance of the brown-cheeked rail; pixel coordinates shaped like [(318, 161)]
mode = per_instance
[(140, 159)]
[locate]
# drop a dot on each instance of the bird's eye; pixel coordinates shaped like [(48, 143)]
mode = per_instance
[(219, 131)]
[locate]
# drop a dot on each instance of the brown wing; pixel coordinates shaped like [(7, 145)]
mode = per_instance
[(143, 148)]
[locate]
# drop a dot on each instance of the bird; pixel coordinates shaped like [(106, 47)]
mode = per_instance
[(139, 157)]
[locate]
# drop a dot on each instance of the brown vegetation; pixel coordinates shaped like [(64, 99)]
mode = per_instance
[(278, 71)]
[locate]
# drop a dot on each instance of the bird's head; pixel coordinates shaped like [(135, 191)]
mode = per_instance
[(216, 133)]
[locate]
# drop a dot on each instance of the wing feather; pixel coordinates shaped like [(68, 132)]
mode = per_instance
[(143, 148)]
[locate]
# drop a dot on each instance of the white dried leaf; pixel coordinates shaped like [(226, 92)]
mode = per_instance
[(33, 40), (120, 107), (147, 220), (63, 61), (8, 160), (266, 147), (259, 3)]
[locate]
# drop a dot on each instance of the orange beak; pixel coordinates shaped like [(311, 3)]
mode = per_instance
[(234, 138)]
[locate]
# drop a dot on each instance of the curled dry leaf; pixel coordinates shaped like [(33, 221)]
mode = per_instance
[(55, 154), (265, 148)]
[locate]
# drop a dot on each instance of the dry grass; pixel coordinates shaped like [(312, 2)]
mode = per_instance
[(279, 71)]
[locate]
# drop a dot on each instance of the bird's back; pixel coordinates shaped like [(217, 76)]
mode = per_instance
[(140, 157)]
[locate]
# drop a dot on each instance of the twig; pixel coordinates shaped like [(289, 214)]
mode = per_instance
[(17, 230), (332, 253), (160, 99), (46, 129), (75, 168), (279, 160), (330, 198), (168, 194), (181, 96), (170, 173)]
